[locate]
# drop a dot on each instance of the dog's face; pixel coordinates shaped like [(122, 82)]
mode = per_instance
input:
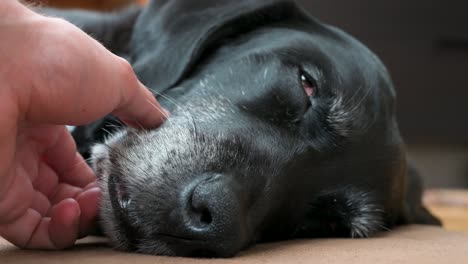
[(281, 128)]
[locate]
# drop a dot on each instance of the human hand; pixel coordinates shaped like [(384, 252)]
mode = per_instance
[(52, 74)]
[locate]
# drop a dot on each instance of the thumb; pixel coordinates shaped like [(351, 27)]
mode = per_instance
[(80, 81)]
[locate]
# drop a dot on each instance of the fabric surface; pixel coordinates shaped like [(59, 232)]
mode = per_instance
[(412, 244)]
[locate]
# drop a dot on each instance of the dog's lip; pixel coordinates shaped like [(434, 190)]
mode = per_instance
[(118, 190), (165, 236), (193, 247), (187, 245)]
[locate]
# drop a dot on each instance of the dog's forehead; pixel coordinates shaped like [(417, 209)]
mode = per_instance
[(323, 48), (273, 54)]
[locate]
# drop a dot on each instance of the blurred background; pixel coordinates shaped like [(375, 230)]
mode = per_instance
[(424, 44)]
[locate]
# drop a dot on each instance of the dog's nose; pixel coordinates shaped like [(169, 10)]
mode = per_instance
[(214, 216)]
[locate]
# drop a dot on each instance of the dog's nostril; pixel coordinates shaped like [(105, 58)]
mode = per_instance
[(201, 204), (205, 218), (211, 217), (202, 217)]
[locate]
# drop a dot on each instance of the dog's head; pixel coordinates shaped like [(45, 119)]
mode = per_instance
[(281, 127)]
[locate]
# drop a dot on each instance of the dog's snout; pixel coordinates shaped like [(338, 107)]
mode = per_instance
[(213, 216)]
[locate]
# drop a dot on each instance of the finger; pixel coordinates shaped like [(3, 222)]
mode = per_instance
[(20, 231), (89, 206), (141, 109), (64, 224), (67, 163), (41, 204), (47, 180), (65, 191), (91, 185), (15, 201), (31, 230), (8, 133), (84, 83), (60, 230)]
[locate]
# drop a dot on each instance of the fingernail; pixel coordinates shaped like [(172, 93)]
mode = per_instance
[(92, 185), (90, 191), (166, 112)]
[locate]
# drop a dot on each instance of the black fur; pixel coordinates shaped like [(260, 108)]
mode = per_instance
[(247, 156)]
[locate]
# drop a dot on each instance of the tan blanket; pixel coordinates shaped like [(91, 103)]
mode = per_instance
[(413, 244)]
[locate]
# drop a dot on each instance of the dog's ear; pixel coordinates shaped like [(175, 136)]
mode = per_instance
[(414, 210), (170, 37), (113, 29)]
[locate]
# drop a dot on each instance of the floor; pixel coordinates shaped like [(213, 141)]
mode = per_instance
[(451, 206), (441, 166)]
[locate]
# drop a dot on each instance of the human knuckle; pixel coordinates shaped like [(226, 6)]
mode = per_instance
[(129, 80), (126, 69)]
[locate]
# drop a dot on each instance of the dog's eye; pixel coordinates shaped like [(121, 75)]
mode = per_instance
[(308, 84)]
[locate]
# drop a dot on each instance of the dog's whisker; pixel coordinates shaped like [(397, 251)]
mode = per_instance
[(137, 134), (139, 124), (166, 116), (118, 153), (120, 122), (85, 161), (358, 108), (350, 100), (115, 126), (361, 101), (91, 158), (108, 133), (173, 101)]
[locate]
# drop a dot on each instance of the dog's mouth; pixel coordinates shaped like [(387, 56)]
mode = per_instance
[(191, 247), (118, 190), (120, 201)]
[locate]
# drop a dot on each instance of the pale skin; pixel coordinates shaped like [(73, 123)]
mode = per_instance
[(53, 74)]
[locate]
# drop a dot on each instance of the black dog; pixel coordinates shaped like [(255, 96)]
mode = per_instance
[(281, 127)]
